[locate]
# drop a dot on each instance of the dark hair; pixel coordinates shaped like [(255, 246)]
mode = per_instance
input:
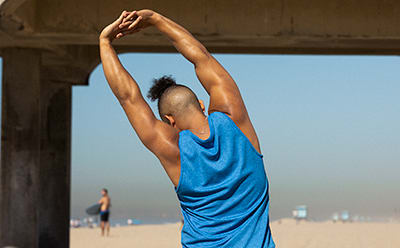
[(159, 87), (105, 190)]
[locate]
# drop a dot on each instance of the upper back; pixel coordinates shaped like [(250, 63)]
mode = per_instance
[(222, 186), (224, 159)]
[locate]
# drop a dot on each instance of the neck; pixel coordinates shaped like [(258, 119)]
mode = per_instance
[(198, 124)]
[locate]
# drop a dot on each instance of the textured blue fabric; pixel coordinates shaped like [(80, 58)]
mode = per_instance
[(223, 189)]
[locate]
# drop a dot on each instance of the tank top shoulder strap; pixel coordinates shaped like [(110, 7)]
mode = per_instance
[(223, 121)]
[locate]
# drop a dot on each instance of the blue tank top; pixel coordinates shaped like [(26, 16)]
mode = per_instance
[(223, 189)]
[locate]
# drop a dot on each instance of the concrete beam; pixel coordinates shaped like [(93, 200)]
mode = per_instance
[(7, 7), (35, 161), (9, 21), (66, 74), (227, 26)]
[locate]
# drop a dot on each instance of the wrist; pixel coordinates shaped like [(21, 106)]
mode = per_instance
[(104, 40), (155, 18)]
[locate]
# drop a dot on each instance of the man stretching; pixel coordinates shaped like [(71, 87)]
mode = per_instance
[(214, 162)]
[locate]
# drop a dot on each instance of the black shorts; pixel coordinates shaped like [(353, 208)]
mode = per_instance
[(104, 216)]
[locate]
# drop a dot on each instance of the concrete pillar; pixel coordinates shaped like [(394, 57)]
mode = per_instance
[(54, 190), (35, 155)]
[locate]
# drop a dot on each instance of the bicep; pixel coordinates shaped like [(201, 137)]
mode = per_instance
[(225, 96), (222, 89)]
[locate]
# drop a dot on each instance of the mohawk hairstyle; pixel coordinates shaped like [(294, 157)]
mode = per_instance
[(160, 86)]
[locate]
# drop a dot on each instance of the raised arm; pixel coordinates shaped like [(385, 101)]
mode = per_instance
[(157, 136), (224, 93)]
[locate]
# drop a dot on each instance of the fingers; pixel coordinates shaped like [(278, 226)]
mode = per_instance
[(135, 23), (126, 32), (130, 16), (128, 19), (125, 25), (128, 23), (119, 35), (123, 15)]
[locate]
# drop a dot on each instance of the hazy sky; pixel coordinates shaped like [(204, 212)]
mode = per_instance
[(329, 128)]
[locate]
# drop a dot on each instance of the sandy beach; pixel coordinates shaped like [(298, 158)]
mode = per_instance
[(287, 234)]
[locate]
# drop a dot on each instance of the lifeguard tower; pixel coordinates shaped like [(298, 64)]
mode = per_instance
[(345, 216), (300, 212)]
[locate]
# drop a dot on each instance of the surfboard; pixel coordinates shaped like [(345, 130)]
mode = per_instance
[(94, 209)]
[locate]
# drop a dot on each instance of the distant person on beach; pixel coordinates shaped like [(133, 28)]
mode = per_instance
[(214, 161), (105, 202)]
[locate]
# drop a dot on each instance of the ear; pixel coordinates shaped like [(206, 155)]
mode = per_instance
[(202, 106), (170, 119)]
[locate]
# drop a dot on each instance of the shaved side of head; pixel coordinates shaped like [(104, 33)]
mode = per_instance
[(177, 101), (173, 99)]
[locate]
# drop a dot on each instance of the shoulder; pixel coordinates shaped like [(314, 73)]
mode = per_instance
[(241, 125), (219, 116), (221, 119)]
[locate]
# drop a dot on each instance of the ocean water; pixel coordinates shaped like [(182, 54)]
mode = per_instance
[(124, 221)]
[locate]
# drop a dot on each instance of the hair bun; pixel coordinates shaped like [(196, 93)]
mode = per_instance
[(159, 87)]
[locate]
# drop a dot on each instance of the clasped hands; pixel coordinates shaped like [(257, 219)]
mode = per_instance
[(128, 23)]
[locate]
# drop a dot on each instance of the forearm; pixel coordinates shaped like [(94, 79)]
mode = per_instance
[(120, 81), (183, 41)]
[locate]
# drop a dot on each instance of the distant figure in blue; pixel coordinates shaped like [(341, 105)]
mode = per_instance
[(105, 202), (214, 161)]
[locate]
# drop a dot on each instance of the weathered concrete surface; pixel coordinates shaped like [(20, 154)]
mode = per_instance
[(35, 155), (54, 175), (20, 148), (235, 26)]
